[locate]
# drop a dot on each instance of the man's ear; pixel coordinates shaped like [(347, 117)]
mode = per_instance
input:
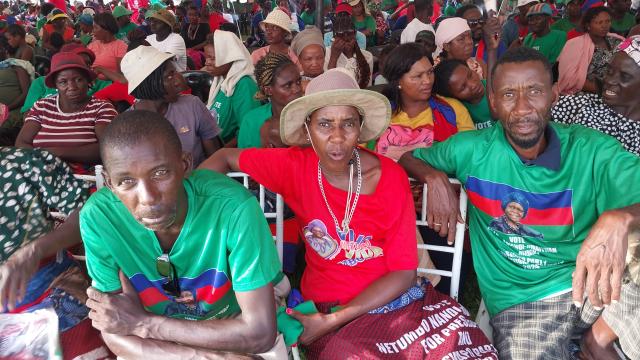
[(555, 92), (187, 163), (491, 97), (267, 90)]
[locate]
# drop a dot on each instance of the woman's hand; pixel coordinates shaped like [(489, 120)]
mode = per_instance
[(315, 325)]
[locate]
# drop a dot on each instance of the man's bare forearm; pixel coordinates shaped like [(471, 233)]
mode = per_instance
[(133, 347), (416, 168)]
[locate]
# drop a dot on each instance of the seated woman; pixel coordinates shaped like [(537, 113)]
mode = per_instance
[(309, 47), (57, 22), (583, 61), (68, 124), (15, 77), (233, 89), (453, 41), (16, 34), (363, 21), (420, 117), (39, 89), (31, 275), (107, 49), (161, 22), (280, 83), (157, 87), (616, 111), (276, 27), (345, 53), (454, 79), (357, 264), (195, 36)]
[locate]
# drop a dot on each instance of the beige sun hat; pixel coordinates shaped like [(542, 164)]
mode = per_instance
[(335, 87), (278, 18), (139, 63), (353, 3)]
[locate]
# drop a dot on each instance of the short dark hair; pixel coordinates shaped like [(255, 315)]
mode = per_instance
[(423, 5), (136, 126), (442, 75), (46, 8), (464, 8), (107, 22), (520, 55), (16, 30), (591, 14), (398, 63)]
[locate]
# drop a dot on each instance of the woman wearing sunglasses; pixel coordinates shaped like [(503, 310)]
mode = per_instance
[(357, 214), (344, 51)]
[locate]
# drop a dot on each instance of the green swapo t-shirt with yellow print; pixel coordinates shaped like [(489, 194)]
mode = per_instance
[(225, 246), (557, 207)]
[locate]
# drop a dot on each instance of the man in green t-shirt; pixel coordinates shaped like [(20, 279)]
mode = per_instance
[(178, 265), (622, 20), (123, 17), (541, 37), (550, 210)]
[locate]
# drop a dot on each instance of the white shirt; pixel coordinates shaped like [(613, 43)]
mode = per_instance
[(413, 28), (173, 44), (350, 64)]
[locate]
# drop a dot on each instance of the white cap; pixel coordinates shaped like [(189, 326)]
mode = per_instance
[(140, 62)]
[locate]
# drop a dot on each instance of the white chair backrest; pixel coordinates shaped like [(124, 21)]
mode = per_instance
[(456, 249), (278, 215)]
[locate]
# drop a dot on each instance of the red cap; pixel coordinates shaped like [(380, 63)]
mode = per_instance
[(78, 49), (67, 60), (344, 7)]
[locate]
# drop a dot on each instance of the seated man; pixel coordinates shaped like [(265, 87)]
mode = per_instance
[(576, 195), (164, 251)]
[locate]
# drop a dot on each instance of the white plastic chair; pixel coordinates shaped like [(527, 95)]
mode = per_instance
[(278, 215), (456, 249)]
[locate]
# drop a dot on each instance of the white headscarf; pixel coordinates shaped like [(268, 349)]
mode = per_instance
[(448, 30), (229, 49)]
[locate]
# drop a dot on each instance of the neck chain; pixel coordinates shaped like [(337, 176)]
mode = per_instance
[(349, 207), (192, 33)]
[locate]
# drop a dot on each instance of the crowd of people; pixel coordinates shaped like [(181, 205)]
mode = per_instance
[(536, 113)]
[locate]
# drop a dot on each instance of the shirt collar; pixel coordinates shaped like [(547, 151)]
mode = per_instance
[(550, 157)]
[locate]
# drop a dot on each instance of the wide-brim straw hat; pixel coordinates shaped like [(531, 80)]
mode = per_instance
[(335, 87), (278, 18), (139, 63), (353, 3)]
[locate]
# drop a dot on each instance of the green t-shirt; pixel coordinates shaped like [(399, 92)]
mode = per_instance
[(85, 39), (369, 23), (623, 25), (249, 134), (38, 90), (225, 246), (309, 18), (388, 3), (536, 259), (231, 109), (480, 113), (563, 25), (549, 45), (122, 33)]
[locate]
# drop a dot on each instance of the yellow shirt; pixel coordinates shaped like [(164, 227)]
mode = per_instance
[(405, 133)]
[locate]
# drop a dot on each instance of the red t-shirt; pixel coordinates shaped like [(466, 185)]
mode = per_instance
[(383, 229)]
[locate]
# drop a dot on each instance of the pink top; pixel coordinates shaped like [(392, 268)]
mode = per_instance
[(263, 51), (108, 54)]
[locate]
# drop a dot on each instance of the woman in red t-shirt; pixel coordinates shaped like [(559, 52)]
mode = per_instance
[(356, 212)]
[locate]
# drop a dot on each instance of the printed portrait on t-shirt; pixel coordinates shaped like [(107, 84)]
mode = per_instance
[(320, 241), (515, 207), (530, 229)]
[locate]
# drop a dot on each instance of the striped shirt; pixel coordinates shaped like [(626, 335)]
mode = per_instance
[(60, 129)]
